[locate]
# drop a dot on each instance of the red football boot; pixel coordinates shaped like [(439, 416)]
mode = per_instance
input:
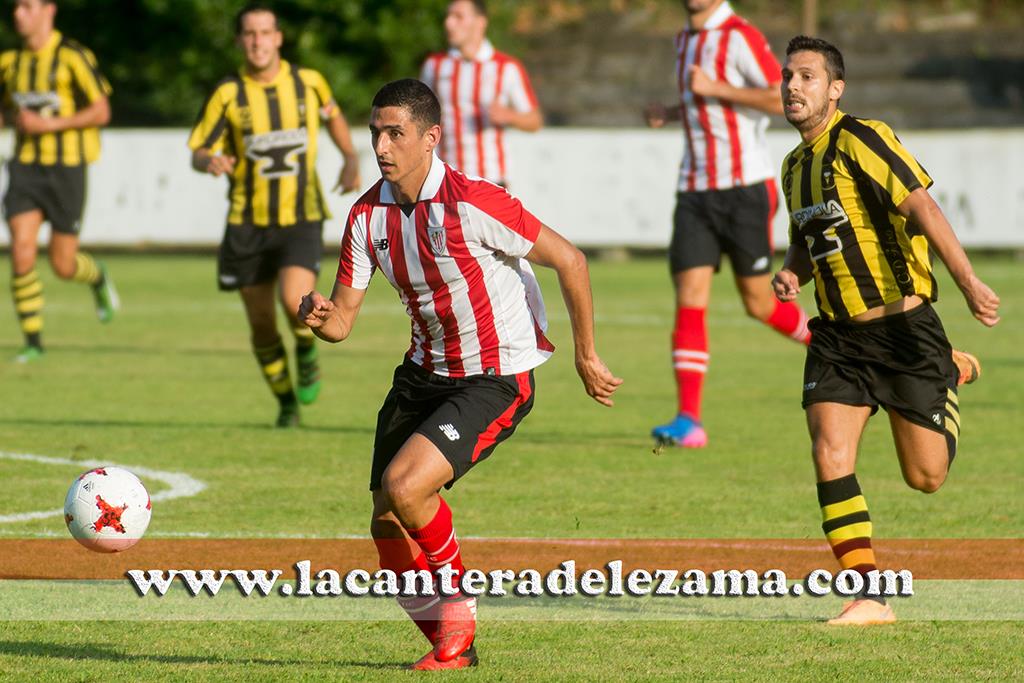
[(456, 629), (430, 663)]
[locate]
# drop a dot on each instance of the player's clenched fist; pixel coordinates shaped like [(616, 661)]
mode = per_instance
[(314, 309), (786, 285)]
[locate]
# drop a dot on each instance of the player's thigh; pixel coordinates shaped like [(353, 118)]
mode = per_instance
[(294, 283), (62, 194), (924, 453), (247, 256), (756, 293), (418, 470), (694, 241), (835, 430), (258, 301), (24, 227), (743, 217), (62, 250), (693, 286), (301, 249)]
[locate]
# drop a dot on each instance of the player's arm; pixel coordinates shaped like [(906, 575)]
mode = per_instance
[(341, 136), (207, 139), (920, 208), (768, 99), (529, 121), (523, 111), (657, 114), (332, 319), (206, 160), (796, 271), (554, 251), (95, 115)]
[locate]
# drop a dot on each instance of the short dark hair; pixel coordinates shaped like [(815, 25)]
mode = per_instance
[(414, 95), (833, 57), (250, 8), (479, 5)]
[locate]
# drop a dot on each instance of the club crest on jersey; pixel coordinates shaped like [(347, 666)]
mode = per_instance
[(277, 152), (436, 231), (828, 181)]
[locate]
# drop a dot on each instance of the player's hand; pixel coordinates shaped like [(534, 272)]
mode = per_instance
[(501, 115), (655, 115), (598, 380), (700, 83), (348, 179), (982, 301), (315, 309), (31, 123), (786, 285), (221, 164)]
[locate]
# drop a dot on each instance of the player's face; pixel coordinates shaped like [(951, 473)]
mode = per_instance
[(260, 40), (464, 24), (698, 6), (30, 16), (399, 146), (808, 95)]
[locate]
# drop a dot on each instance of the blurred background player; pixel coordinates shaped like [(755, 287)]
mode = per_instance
[(728, 80), (261, 128), (482, 92), (53, 93), (451, 246), (862, 226)]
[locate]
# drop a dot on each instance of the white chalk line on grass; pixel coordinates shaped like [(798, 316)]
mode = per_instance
[(180, 484)]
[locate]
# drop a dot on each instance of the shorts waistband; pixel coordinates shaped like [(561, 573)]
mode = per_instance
[(885, 320)]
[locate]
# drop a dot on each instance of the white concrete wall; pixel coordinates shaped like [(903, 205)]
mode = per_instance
[(598, 187)]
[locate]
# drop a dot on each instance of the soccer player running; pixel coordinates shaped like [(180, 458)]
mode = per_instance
[(728, 83), (862, 226), (260, 128), (482, 92), (451, 246), (53, 93)]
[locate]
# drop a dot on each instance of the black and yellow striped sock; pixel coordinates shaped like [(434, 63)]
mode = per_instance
[(305, 341), (846, 523), (27, 291), (87, 271), (274, 362)]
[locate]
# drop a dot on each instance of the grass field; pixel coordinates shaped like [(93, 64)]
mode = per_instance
[(172, 385)]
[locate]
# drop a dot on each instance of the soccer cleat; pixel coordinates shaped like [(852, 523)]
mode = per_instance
[(28, 354), (429, 661), (309, 376), (682, 431), (864, 612), (457, 628), (968, 365), (289, 416), (105, 295)]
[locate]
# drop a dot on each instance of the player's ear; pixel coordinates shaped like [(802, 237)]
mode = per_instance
[(433, 136), (835, 89)]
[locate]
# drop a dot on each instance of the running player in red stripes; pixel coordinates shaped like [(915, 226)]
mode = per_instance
[(482, 92), (452, 247), (728, 83)]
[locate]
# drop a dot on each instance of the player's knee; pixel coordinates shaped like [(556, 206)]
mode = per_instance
[(399, 491), (758, 308), (63, 268), (924, 481)]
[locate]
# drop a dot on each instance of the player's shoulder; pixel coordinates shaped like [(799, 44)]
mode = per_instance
[(857, 131), (225, 89), (309, 76), (74, 47), (367, 201), (504, 59), (747, 29), (479, 192), (7, 58)]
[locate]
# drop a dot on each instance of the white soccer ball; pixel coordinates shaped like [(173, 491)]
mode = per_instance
[(107, 509)]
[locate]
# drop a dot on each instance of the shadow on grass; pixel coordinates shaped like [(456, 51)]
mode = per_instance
[(17, 648)]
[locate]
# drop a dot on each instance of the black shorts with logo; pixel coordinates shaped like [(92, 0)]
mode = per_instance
[(57, 191), (902, 362), (251, 255), (465, 417), (736, 221)]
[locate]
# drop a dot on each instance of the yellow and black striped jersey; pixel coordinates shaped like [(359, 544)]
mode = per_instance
[(842, 190), (272, 130), (59, 80)]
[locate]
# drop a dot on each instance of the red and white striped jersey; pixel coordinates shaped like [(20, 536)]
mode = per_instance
[(456, 259), (467, 89), (725, 143)]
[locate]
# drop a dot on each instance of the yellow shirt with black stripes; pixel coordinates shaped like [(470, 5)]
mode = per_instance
[(842, 190), (272, 130), (60, 79)]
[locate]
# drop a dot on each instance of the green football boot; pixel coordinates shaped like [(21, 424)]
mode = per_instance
[(105, 295), (309, 376)]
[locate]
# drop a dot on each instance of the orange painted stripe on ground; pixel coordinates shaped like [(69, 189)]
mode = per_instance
[(926, 558)]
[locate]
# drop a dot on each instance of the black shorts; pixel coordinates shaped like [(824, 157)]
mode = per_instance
[(250, 255), (466, 418), (57, 191), (736, 221), (902, 362)]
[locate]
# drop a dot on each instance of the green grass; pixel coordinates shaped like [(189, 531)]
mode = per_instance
[(172, 385)]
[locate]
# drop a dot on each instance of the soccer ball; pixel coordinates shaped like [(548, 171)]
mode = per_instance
[(107, 509)]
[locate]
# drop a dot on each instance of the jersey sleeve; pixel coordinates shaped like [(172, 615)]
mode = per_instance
[(210, 129), (356, 264), (881, 156), (500, 222), (328, 107), (516, 87), (6, 61), (754, 58), (86, 74)]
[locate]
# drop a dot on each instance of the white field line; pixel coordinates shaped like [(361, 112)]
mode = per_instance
[(180, 485)]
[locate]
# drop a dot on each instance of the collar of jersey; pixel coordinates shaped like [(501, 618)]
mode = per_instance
[(717, 18), (51, 43), (282, 73), (484, 54), (435, 176)]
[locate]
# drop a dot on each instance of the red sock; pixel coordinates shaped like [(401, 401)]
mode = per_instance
[(790, 320), (400, 556), (690, 358), (439, 543)]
